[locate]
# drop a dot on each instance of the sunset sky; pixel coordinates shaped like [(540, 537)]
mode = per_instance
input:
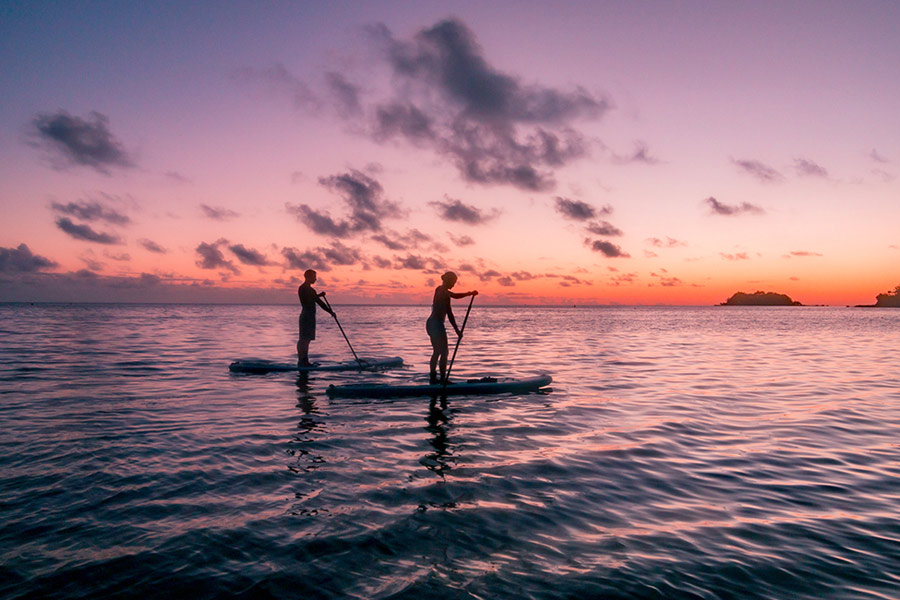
[(588, 152)]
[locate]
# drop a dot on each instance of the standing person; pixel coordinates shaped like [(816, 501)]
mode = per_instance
[(308, 300), (440, 308)]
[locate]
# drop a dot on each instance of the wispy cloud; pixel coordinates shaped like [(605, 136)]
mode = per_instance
[(731, 210), (324, 258), (603, 228), (152, 246), (759, 170), (801, 254), (606, 248), (74, 141), (211, 257), (462, 240), (641, 154), (877, 157), (736, 256), (666, 243), (808, 168), (364, 198), (451, 209), (85, 232), (249, 256), (22, 260), (282, 82), (91, 210), (218, 213)]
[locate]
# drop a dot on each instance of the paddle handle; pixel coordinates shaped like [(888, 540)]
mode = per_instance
[(333, 314), (458, 340)]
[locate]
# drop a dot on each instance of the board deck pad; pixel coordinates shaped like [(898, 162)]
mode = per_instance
[(485, 385), (267, 366)]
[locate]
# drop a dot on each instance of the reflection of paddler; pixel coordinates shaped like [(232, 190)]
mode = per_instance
[(440, 309), (308, 300)]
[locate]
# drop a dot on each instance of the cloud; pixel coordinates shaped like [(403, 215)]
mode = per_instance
[(218, 213), (641, 154), (808, 168), (455, 210), (730, 210), (462, 240), (324, 258), (363, 197), (495, 128), (415, 262), (603, 228), (84, 232), (489, 274), (574, 209), (152, 246), (801, 253), (123, 257), (178, 177), (249, 256), (212, 258), (608, 249), (80, 142), (345, 94), (21, 260), (506, 281), (759, 170), (88, 210), (667, 243), (412, 239), (279, 80), (737, 256), (874, 155)]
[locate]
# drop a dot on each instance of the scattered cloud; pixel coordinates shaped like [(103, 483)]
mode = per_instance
[(152, 246), (874, 155), (730, 210), (345, 94), (281, 82), (506, 281), (178, 177), (249, 256), (665, 280), (455, 210), (666, 243), (211, 257), (74, 141), (737, 256), (22, 260), (603, 228), (122, 257), (801, 253), (576, 210), (363, 197), (641, 154), (324, 258), (462, 240), (606, 248), (91, 210), (759, 170), (412, 239), (85, 232), (218, 213), (808, 168)]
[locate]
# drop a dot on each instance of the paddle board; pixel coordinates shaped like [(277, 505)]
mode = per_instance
[(486, 385), (268, 366)]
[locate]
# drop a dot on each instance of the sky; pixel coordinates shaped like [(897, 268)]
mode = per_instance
[(576, 153)]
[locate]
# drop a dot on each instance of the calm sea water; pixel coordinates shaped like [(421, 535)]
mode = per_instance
[(682, 453)]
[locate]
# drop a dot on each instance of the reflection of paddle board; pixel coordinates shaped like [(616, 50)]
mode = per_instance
[(486, 385), (267, 366)]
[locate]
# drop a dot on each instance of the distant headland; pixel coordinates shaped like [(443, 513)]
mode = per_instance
[(760, 299), (887, 300)]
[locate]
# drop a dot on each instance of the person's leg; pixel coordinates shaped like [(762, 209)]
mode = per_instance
[(303, 352), (435, 353), (444, 351)]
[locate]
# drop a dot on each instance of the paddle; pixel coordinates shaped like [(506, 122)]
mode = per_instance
[(458, 340), (333, 314)]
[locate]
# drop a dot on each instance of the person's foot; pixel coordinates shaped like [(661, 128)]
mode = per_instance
[(433, 379)]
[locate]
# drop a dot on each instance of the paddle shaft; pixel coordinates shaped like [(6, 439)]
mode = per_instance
[(328, 304), (458, 340)]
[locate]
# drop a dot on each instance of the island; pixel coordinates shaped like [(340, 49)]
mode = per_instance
[(889, 299), (760, 299)]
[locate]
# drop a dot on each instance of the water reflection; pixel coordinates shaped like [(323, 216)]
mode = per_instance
[(441, 461)]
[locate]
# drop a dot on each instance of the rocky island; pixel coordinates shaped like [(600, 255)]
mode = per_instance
[(888, 299), (760, 299)]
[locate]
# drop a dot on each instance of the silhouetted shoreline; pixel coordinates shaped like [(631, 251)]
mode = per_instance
[(760, 299)]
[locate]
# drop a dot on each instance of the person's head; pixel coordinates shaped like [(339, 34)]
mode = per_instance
[(310, 276), (449, 278)]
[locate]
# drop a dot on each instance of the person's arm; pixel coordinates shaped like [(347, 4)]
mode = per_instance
[(324, 306), (462, 294), (452, 319)]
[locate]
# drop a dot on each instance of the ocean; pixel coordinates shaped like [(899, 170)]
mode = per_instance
[(696, 453)]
